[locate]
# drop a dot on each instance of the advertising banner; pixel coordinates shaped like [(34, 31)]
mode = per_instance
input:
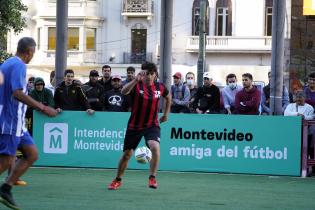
[(189, 142)]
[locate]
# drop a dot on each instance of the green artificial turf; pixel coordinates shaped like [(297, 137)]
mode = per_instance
[(86, 189)]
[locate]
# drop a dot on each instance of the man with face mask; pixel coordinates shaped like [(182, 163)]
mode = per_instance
[(229, 92), (190, 83)]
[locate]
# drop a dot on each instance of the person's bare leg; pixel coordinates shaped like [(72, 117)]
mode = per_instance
[(5, 162), (123, 163), (11, 166), (30, 155), (154, 163)]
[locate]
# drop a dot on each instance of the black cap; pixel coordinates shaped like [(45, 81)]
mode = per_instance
[(94, 73)]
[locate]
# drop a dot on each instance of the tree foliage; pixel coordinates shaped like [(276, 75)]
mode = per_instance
[(11, 17)]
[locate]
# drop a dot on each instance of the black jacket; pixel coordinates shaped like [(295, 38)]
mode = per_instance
[(70, 98), (93, 93), (106, 85), (208, 98)]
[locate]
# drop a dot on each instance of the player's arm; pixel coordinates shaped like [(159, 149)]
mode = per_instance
[(167, 109), (130, 85), (1, 78), (21, 96)]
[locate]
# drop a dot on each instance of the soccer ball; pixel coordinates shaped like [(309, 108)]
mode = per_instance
[(143, 155)]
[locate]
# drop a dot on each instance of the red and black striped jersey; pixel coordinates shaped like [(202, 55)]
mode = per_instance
[(145, 105)]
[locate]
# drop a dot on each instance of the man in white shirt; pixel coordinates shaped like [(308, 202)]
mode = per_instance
[(51, 86), (300, 108)]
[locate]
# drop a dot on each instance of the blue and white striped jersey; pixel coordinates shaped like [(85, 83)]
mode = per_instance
[(12, 112)]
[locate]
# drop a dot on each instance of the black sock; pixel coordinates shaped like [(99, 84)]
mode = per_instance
[(118, 179), (151, 176), (6, 188)]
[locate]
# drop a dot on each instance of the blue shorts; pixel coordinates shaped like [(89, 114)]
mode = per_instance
[(9, 144)]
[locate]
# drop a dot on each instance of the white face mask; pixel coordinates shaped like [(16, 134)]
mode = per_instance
[(190, 82), (232, 85)]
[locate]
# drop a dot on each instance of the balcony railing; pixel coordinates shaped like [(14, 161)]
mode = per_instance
[(135, 58), (77, 9), (137, 8), (232, 44)]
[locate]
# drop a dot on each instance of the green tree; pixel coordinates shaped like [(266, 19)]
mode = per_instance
[(10, 18)]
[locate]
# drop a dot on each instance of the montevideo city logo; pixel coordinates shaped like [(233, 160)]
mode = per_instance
[(56, 138)]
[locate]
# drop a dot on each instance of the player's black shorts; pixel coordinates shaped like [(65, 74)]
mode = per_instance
[(133, 137)]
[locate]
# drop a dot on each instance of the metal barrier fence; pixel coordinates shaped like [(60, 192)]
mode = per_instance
[(308, 159)]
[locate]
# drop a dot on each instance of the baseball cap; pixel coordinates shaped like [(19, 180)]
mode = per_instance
[(207, 75), (116, 77), (178, 75), (94, 73)]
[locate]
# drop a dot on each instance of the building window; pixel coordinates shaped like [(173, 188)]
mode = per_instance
[(222, 21), (38, 38), (268, 17), (196, 18), (196, 21), (73, 38), (51, 38), (268, 21), (223, 18), (90, 39)]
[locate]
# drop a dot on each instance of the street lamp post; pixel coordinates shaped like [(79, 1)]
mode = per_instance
[(61, 39), (276, 80), (202, 35)]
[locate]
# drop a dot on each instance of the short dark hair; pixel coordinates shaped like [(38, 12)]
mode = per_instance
[(248, 75), (25, 44), (131, 68), (150, 67), (107, 67), (230, 76), (189, 73), (52, 74), (31, 79), (68, 71), (312, 75)]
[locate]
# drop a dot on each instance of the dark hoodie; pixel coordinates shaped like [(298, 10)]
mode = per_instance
[(93, 93), (70, 98), (45, 96)]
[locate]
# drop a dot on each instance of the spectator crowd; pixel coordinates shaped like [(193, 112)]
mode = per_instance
[(103, 93)]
